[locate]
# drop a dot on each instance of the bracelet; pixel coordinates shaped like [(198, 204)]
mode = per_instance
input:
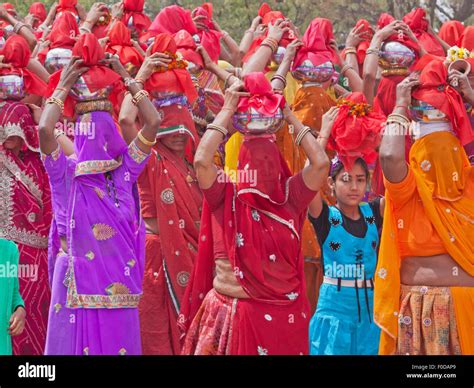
[(218, 128), (399, 116), (301, 134), (350, 48), (227, 80), (345, 68), (238, 72), (140, 81), (351, 51), (18, 26), (279, 78), (145, 141), (86, 29), (271, 43), (56, 101), (58, 132), (401, 106), (129, 81), (61, 89), (371, 50), (249, 31), (140, 96)]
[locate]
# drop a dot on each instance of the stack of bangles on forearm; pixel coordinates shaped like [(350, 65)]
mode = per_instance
[(218, 128), (301, 134)]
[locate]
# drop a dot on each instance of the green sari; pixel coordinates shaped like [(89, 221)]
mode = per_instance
[(10, 297)]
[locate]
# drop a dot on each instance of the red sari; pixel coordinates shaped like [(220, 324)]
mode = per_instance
[(261, 231), (25, 211), (169, 192)]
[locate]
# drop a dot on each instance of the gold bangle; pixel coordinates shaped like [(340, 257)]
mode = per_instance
[(145, 141), (218, 128), (301, 134), (140, 96), (372, 51), (397, 115), (56, 101)]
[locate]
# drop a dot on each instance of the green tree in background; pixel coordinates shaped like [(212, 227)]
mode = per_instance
[(235, 16)]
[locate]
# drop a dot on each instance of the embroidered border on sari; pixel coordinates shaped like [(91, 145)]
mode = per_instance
[(97, 166), (75, 300), (136, 153), (19, 175), (10, 129)]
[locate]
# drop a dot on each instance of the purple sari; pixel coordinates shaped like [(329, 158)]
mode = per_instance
[(97, 286)]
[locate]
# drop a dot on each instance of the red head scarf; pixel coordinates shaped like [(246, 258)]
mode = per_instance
[(64, 34), (97, 77), (67, 5), (384, 20), (173, 19), (10, 8), (315, 48), (435, 90), (451, 31), (39, 10), (173, 80), (357, 131), (364, 45), (328, 35), (262, 98), (268, 17), (187, 47), (418, 23), (17, 53), (210, 38), (133, 9), (120, 43), (466, 40)]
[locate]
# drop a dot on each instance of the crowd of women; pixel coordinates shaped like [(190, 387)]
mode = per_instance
[(175, 192)]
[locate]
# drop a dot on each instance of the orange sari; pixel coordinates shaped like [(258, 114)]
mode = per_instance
[(449, 206)]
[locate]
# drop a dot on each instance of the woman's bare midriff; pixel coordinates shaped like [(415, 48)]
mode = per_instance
[(435, 271), (225, 282)]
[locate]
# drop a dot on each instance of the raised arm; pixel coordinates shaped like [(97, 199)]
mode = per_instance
[(53, 108), (206, 170), (146, 137), (227, 77), (280, 75), (316, 170), (262, 56), (392, 148), (128, 112), (248, 37), (19, 27), (371, 62), (316, 205)]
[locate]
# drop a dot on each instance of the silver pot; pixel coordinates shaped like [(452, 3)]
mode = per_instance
[(12, 87), (307, 72), (254, 123), (80, 91), (396, 54), (57, 58), (279, 55)]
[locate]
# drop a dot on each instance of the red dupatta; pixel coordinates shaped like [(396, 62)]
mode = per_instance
[(120, 43), (418, 23), (262, 97), (269, 266), (97, 77), (466, 40), (209, 38), (17, 53), (26, 192), (328, 35), (133, 15), (178, 218), (174, 80), (451, 31), (315, 48)]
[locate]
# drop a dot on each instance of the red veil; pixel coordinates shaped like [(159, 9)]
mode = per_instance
[(120, 43), (133, 9), (418, 23), (275, 287), (17, 53), (451, 31)]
